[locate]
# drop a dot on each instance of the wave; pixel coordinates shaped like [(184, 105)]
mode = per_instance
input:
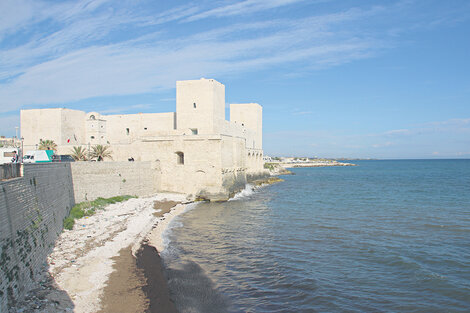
[(175, 223), (245, 193)]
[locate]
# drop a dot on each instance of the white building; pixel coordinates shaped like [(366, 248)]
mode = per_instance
[(196, 150)]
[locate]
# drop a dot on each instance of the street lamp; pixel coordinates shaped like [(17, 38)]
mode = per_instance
[(21, 155)]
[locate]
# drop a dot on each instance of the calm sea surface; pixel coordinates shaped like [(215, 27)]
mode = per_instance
[(385, 236)]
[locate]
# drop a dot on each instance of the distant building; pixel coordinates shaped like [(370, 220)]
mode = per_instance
[(196, 149), (9, 142)]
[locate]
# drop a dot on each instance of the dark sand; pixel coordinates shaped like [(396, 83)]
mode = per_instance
[(164, 206), (138, 284), (156, 289), (124, 291)]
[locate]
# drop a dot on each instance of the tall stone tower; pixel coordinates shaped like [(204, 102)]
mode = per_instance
[(250, 116), (200, 106)]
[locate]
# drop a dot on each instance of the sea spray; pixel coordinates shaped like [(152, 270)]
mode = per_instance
[(245, 193)]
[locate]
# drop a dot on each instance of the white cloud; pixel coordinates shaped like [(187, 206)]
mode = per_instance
[(139, 66), (242, 7)]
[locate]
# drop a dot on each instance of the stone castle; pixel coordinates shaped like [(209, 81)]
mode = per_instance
[(195, 149)]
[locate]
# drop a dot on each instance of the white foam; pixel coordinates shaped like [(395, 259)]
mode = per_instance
[(174, 222), (245, 193)]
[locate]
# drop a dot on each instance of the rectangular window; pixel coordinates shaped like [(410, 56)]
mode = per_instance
[(179, 157), (194, 131), (127, 131)]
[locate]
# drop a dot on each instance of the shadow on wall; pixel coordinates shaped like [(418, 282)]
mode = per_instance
[(32, 210), (46, 296)]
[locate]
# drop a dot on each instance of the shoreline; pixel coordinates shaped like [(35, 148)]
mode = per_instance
[(111, 261), (116, 248)]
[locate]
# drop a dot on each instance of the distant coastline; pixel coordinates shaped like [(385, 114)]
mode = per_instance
[(316, 164)]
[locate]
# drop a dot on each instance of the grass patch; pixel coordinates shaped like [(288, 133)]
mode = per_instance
[(88, 208), (269, 166)]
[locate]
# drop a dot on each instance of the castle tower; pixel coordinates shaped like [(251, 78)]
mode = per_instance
[(250, 116), (200, 106)]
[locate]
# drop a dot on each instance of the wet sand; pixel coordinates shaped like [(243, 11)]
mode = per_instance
[(124, 291), (156, 290), (138, 283)]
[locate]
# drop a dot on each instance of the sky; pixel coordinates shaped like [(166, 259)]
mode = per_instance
[(346, 78)]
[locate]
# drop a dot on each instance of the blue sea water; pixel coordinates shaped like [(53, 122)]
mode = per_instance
[(384, 236)]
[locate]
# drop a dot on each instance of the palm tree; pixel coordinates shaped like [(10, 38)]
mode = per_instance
[(100, 152), (79, 153), (47, 145)]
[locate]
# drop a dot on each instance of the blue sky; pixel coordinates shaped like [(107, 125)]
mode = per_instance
[(381, 79)]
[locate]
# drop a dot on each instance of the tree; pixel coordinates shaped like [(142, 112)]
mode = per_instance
[(79, 153), (47, 145), (100, 152)]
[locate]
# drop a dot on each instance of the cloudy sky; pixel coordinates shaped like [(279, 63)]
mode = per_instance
[(346, 78)]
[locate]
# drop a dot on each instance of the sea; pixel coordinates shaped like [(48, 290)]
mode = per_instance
[(382, 236)]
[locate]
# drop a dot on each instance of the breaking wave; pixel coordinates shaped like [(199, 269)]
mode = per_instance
[(245, 193)]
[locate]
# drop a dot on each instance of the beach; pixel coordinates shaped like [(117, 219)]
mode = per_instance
[(110, 261)]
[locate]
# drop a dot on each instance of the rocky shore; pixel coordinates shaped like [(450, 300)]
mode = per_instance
[(109, 262)]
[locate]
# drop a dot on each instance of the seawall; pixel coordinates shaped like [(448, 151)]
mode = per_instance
[(32, 210), (108, 179)]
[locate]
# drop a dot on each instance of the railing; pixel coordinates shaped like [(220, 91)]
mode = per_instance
[(10, 170)]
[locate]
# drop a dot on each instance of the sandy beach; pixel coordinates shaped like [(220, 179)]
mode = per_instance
[(109, 261)]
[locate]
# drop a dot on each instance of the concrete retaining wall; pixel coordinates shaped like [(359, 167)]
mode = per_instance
[(107, 179), (32, 210), (10, 170)]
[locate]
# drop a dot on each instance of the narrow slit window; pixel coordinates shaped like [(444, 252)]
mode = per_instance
[(179, 157), (127, 131), (194, 105)]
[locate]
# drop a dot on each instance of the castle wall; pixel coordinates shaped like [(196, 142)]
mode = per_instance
[(32, 210), (65, 127), (108, 179), (72, 128), (125, 129), (200, 173), (40, 124)]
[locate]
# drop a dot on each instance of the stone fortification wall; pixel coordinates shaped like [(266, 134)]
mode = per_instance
[(108, 179), (32, 210)]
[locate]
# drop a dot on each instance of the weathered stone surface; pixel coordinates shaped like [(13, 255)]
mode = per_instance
[(32, 210)]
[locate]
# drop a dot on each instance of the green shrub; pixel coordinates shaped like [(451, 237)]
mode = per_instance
[(88, 208), (77, 212), (68, 223)]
